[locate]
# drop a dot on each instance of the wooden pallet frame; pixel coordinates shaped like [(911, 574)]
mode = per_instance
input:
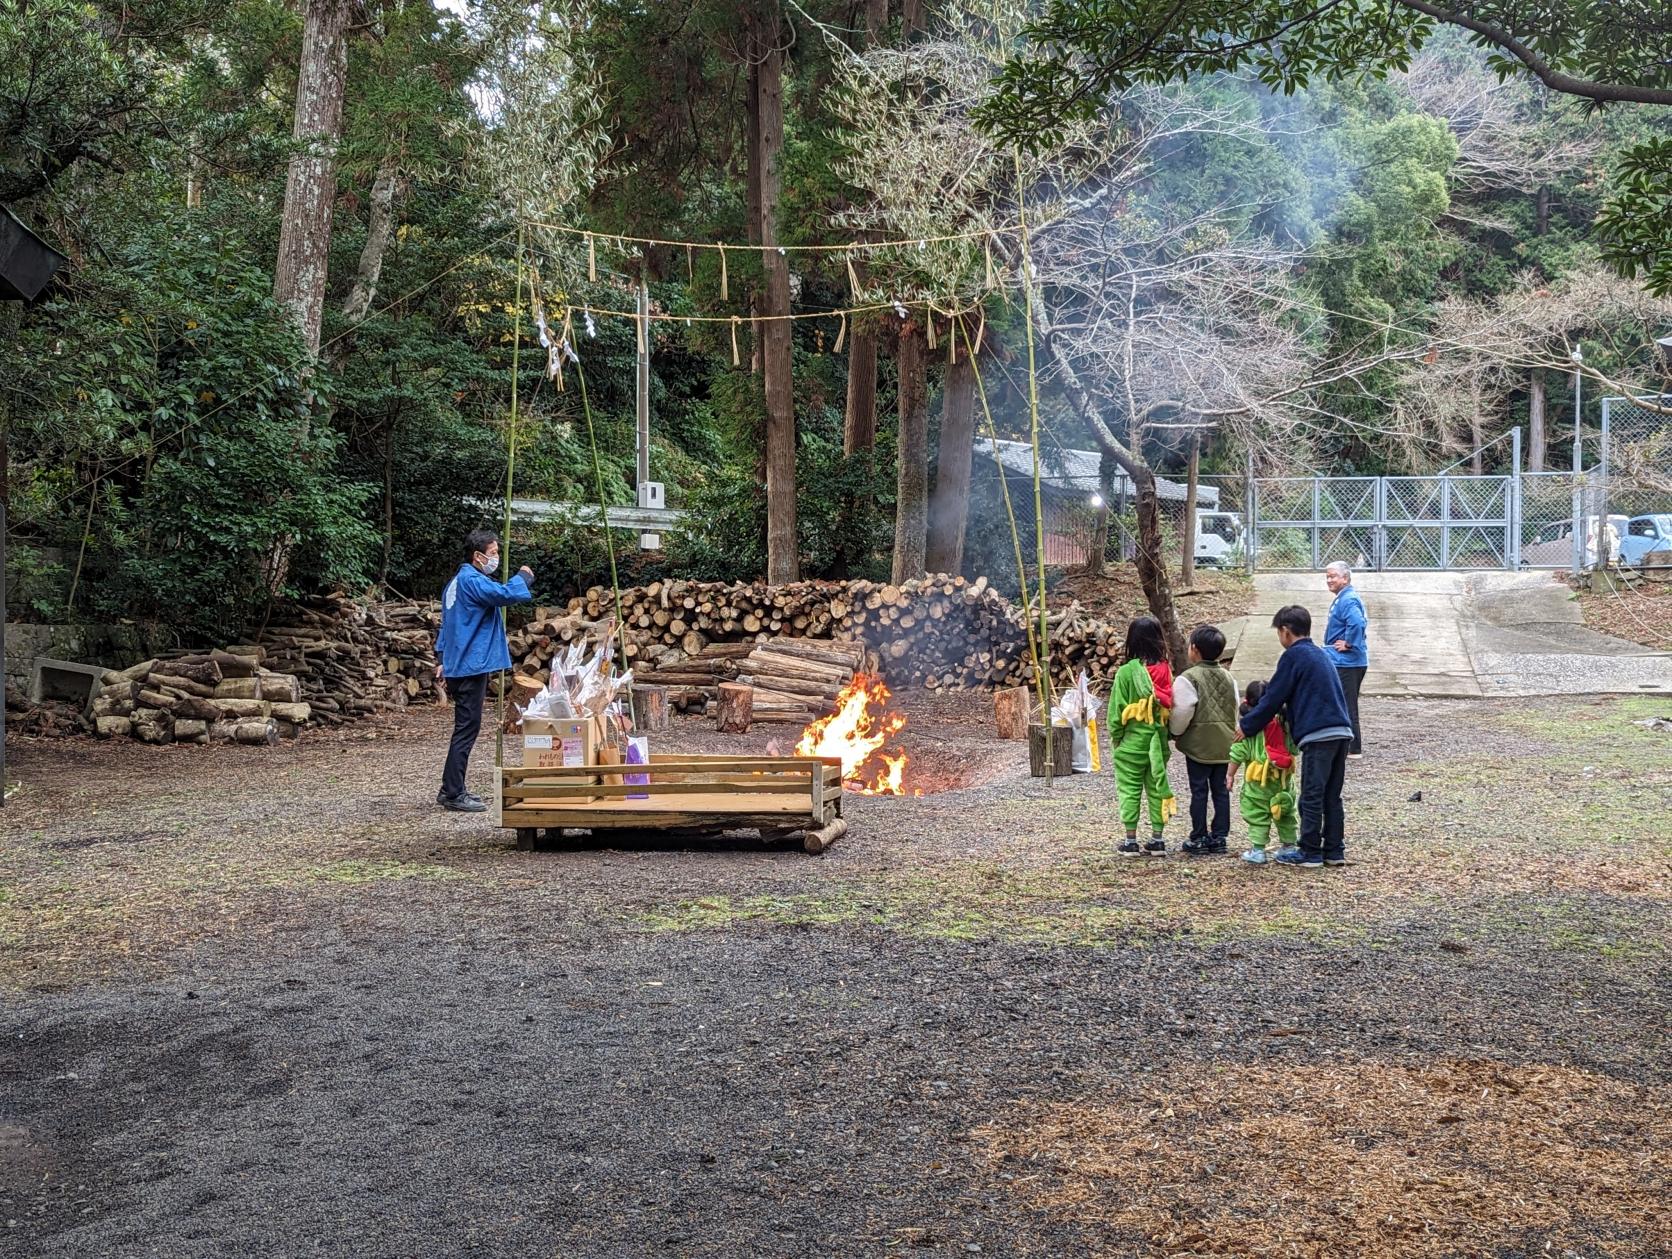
[(777, 795)]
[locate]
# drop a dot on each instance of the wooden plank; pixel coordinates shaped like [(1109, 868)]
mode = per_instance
[(624, 819), (673, 803), (622, 791), (676, 764)]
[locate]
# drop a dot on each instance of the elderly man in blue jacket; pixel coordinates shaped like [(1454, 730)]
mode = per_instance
[(1345, 636), (472, 646), (1305, 688)]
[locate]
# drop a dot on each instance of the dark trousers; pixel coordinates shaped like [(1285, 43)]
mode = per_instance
[(1323, 820), (1208, 782), (468, 694), (1351, 680)]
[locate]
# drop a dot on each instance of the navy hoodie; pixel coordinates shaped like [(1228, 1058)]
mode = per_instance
[(1307, 683)]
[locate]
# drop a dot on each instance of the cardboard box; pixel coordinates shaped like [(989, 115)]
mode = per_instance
[(566, 744)]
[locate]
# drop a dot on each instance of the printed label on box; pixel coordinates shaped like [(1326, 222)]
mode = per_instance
[(574, 752), (542, 742)]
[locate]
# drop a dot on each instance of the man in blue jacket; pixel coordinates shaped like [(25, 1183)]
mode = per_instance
[(471, 646), (1345, 634), (1305, 687)]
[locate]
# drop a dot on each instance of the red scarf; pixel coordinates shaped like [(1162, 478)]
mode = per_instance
[(1277, 745), (1161, 678)]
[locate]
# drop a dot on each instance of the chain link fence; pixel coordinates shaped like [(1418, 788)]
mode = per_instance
[(1635, 471)]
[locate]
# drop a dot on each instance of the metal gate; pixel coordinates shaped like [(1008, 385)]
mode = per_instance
[(1407, 522)]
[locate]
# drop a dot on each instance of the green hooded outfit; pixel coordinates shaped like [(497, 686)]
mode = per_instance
[(1268, 788), (1138, 735)]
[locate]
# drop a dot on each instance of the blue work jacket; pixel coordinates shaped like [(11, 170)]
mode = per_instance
[(472, 639), (1347, 622), (1304, 686)]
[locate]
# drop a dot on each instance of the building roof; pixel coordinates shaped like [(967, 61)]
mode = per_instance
[(1074, 472)]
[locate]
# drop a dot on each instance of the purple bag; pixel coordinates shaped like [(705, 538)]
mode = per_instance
[(638, 753)]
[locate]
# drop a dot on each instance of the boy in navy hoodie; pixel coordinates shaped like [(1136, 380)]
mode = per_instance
[(1306, 686)]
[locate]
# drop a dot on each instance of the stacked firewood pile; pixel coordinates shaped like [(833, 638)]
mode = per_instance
[(324, 661), (226, 696), (355, 659), (937, 632), (793, 679)]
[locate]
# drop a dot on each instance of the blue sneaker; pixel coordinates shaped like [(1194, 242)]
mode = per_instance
[(1295, 857), (1286, 850), (1255, 856)]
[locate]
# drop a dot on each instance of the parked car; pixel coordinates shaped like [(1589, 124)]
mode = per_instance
[(1552, 546), (1643, 535)]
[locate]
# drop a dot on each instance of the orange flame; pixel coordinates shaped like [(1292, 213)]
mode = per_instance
[(856, 732)]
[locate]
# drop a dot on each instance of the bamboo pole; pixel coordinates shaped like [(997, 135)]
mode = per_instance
[(1038, 494)]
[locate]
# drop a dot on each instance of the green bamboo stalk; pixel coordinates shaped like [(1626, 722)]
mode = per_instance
[(1038, 495)]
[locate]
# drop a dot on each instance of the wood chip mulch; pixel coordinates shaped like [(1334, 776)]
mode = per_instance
[(1458, 1158)]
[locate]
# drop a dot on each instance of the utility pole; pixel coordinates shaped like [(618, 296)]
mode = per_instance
[(650, 493)]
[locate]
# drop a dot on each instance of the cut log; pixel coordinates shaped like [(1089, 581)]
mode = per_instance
[(238, 688), (194, 709), (233, 666), (280, 688), (191, 731), (243, 708), (297, 714), (650, 709), (133, 673), (256, 732), (157, 699), (113, 727), (1012, 711), (185, 685), (734, 708), (817, 841), (1062, 751)]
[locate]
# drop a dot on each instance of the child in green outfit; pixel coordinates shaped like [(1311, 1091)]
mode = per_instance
[(1268, 796), (1139, 704)]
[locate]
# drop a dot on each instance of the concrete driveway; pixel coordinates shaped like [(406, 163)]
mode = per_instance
[(1463, 635)]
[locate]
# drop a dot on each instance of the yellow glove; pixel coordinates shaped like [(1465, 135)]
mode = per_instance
[(1169, 806)]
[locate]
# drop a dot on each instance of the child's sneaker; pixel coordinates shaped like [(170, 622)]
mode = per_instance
[(1156, 848), (1206, 846), (1130, 849), (1295, 857), (1255, 856), (1286, 850), (1335, 861)]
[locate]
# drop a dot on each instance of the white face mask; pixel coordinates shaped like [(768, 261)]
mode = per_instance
[(486, 565)]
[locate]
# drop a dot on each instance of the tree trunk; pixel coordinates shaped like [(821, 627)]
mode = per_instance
[(1187, 569), (876, 18), (1541, 225), (1012, 711), (1152, 565), (950, 506), (911, 499), (783, 562), (1477, 431), (379, 227), (311, 185), (911, 13), (1537, 435), (859, 424)]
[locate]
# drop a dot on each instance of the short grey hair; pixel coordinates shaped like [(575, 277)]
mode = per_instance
[(1339, 566)]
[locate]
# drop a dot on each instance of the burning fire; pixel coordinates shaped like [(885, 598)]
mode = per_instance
[(856, 732)]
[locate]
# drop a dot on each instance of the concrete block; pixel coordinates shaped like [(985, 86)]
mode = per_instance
[(65, 680)]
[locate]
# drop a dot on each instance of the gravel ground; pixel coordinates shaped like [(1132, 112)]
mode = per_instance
[(277, 1004)]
